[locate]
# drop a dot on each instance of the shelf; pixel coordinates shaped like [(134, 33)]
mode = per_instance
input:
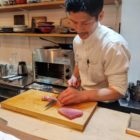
[(37, 35), (41, 6), (33, 6)]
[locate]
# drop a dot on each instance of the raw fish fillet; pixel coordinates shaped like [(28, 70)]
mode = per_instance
[(48, 98), (70, 113)]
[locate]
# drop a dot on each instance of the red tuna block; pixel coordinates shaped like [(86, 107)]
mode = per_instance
[(70, 113)]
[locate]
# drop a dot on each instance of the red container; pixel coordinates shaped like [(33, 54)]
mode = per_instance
[(46, 29), (45, 23), (21, 1)]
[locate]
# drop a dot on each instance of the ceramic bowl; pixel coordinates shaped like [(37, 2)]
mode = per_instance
[(46, 29)]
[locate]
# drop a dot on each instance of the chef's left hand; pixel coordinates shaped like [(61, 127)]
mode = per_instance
[(71, 96)]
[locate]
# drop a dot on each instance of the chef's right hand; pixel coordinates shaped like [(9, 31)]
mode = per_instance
[(74, 82)]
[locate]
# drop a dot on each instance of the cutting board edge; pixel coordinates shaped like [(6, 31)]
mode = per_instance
[(72, 125), (96, 103)]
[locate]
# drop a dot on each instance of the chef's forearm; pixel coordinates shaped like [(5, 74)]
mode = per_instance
[(104, 94)]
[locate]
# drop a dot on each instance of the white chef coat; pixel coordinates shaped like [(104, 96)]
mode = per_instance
[(103, 60)]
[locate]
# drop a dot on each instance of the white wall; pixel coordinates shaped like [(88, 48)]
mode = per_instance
[(130, 29)]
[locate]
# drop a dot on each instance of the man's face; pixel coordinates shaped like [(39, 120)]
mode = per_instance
[(83, 23)]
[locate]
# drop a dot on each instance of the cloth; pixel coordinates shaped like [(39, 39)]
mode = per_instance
[(5, 136), (103, 60)]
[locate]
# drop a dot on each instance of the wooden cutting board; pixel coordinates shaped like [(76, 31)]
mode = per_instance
[(30, 103)]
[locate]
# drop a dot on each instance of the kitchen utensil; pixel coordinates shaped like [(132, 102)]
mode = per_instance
[(7, 29), (19, 19), (8, 76), (33, 1), (46, 29), (30, 103), (36, 20), (49, 23), (50, 104), (134, 90), (66, 22), (3, 70), (4, 2), (21, 1), (15, 78), (12, 2), (19, 28), (22, 69)]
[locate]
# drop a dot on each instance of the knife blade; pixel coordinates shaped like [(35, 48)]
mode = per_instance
[(50, 104)]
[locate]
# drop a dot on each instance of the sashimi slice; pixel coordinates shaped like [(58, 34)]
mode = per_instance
[(48, 98), (70, 113)]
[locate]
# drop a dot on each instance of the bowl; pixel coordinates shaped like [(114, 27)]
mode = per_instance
[(46, 29), (45, 23)]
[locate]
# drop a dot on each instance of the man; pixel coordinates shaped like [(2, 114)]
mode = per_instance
[(101, 56)]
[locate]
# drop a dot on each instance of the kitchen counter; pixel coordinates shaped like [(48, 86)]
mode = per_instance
[(19, 83), (27, 80), (105, 124)]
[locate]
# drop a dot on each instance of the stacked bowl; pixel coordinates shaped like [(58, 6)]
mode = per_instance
[(46, 27)]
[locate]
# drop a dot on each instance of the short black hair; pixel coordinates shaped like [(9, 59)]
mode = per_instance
[(91, 7)]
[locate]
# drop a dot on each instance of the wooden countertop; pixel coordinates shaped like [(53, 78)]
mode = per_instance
[(105, 124)]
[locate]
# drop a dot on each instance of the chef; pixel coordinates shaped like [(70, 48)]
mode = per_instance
[(101, 56)]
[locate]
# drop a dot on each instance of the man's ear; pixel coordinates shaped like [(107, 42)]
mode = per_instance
[(101, 15)]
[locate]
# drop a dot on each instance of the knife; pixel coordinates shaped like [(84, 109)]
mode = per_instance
[(50, 104), (53, 101)]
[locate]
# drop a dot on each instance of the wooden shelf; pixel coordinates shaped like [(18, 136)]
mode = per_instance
[(41, 6), (55, 4), (33, 6), (37, 35)]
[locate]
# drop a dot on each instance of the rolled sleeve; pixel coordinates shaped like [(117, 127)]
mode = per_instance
[(117, 59), (119, 82)]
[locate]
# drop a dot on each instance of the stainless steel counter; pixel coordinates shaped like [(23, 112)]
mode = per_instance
[(19, 83), (12, 88)]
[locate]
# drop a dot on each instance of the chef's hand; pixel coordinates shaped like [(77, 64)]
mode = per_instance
[(73, 82), (71, 96)]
